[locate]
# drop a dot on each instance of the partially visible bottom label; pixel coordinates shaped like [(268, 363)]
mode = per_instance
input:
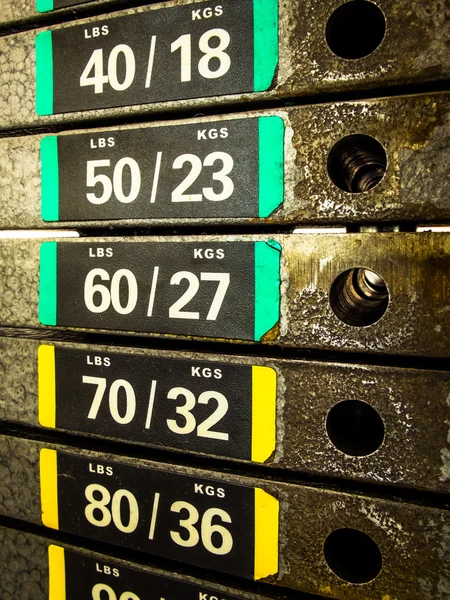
[(75, 576)]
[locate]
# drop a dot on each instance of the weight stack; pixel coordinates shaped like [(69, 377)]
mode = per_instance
[(224, 296)]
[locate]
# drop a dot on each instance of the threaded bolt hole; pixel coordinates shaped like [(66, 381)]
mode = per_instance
[(359, 297), (357, 163)]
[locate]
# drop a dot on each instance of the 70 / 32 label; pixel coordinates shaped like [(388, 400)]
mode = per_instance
[(215, 408)]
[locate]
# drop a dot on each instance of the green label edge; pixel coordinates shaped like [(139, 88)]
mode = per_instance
[(267, 286), (49, 178), (271, 164), (48, 283), (44, 73), (265, 31)]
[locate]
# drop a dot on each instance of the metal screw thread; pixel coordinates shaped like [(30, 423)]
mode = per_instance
[(363, 169)]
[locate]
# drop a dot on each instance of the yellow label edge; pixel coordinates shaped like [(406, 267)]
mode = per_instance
[(46, 386), (57, 573), (267, 509), (264, 412), (48, 463)]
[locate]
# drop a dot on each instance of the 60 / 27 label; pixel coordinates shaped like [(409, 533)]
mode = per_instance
[(211, 289), (205, 522)]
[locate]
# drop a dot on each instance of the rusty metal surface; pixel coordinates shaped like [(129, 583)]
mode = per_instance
[(414, 540), (415, 268), (414, 132), (24, 571), (413, 50), (413, 405)]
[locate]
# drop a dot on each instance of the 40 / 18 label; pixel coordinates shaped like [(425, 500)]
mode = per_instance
[(215, 408), (205, 522), (169, 53), (221, 290)]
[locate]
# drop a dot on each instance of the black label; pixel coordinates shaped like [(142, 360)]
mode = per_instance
[(172, 287), (192, 405), (161, 172), (210, 289), (168, 53), (88, 577), (198, 521)]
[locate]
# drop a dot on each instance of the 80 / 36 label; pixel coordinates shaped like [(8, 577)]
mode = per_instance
[(206, 522), (168, 53), (223, 169), (76, 576), (215, 408), (220, 290)]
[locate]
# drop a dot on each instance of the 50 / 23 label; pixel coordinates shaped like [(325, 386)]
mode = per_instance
[(186, 51), (215, 408), (225, 290), (206, 522), (217, 169)]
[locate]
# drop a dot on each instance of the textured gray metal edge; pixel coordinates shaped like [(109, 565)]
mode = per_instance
[(414, 266), (413, 405), (306, 64), (24, 571), (21, 12), (414, 540), (413, 131)]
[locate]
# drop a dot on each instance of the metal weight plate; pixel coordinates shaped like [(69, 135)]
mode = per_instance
[(216, 54), (315, 540), (377, 160), (383, 425), (57, 571), (380, 293), (31, 14)]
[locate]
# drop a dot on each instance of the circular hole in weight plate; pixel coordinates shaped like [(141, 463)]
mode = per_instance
[(355, 29), (357, 163), (353, 555), (359, 297), (355, 428)]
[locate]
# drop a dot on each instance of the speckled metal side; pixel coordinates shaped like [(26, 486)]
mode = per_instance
[(24, 566)]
